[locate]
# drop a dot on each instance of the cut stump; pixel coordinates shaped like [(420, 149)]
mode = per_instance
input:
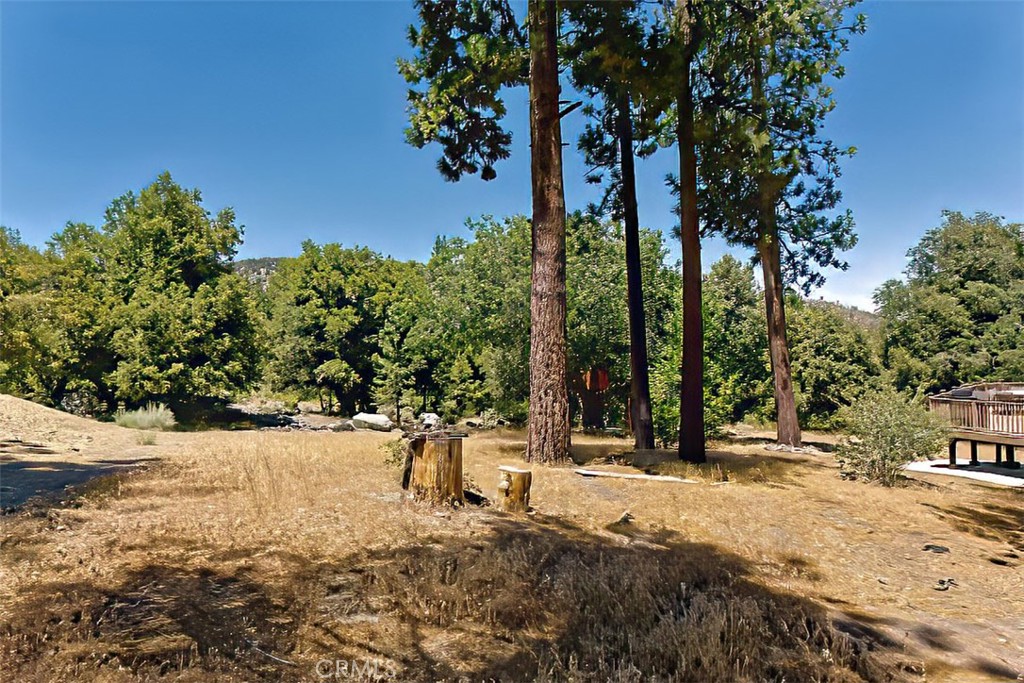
[(436, 475), (514, 488)]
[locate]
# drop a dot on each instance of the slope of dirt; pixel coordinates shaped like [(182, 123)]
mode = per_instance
[(54, 429), (44, 451)]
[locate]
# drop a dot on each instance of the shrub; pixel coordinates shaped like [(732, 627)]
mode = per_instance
[(81, 399), (888, 430), (154, 416), (394, 452)]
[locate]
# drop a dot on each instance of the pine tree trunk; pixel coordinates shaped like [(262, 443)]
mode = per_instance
[(768, 249), (640, 384), (691, 400), (770, 185), (548, 435)]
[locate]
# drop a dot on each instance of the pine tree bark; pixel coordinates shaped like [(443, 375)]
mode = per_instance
[(768, 249), (640, 383), (691, 399), (548, 432)]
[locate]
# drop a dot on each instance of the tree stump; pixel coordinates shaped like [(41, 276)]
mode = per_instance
[(514, 489), (437, 469)]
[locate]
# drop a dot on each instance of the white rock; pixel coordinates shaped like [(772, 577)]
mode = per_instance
[(381, 423), (430, 419)]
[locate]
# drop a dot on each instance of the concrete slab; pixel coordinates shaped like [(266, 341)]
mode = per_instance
[(985, 472)]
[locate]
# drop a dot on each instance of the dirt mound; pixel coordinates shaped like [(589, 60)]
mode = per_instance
[(30, 422)]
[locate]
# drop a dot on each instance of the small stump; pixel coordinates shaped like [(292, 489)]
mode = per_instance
[(436, 474), (514, 489)]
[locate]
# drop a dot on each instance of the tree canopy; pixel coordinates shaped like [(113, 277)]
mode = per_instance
[(959, 315), (145, 308)]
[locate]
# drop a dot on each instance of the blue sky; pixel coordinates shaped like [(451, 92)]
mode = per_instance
[(293, 114)]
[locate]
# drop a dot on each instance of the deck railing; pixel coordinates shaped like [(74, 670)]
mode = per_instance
[(1005, 418)]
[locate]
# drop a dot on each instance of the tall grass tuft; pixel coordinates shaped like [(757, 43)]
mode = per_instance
[(154, 416)]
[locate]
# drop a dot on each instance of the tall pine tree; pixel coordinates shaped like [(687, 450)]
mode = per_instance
[(607, 57), (467, 52), (768, 174)]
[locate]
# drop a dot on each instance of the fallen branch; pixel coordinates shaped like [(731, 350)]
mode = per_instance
[(621, 475)]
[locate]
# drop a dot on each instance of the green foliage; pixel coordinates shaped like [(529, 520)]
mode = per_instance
[(475, 332), (186, 327), (466, 52), (474, 337), (394, 451), (27, 328), (736, 347), (146, 308), (888, 429), (736, 379), (339, 319), (959, 317), (398, 360), (834, 361), (164, 235), (153, 416), (766, 169), (611, 64)]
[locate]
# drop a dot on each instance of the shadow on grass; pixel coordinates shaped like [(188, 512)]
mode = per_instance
[(525, 600), (752, 439), (579, 453), (725, 465), (989, 520), (22, 481)]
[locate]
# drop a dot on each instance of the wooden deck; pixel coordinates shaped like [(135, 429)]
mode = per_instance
[(991, 413)]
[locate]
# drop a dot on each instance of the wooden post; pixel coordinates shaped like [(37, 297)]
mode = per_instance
[(952, 452), (974, 452), (437, 470), (514, 489)]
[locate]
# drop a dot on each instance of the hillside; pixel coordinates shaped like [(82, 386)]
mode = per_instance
[(865, 319), (30, 422), (258, 270)]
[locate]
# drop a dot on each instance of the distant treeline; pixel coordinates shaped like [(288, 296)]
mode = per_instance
[(151, 306)]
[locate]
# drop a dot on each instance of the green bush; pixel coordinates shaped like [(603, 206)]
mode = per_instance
[(394, 452), (155, 416), (887, 430)]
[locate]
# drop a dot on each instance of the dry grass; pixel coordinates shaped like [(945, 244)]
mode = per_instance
[(245, 547)]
